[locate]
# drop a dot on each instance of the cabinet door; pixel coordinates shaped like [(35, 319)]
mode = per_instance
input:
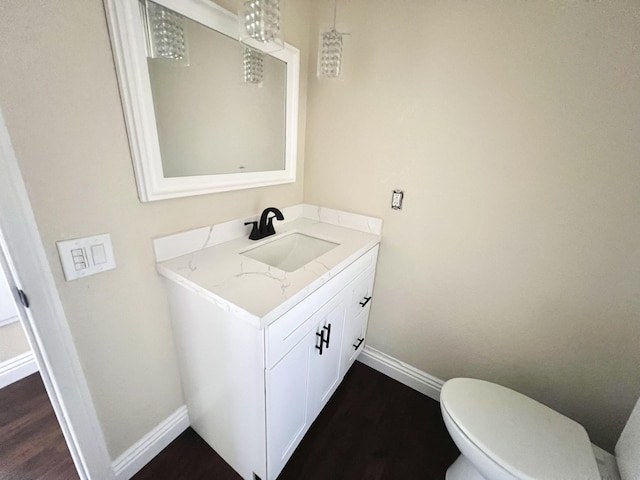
[(325, 356), (300, 384), (355, 329), (286, 403)]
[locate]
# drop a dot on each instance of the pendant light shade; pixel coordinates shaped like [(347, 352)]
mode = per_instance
[(166, 36), (260, 21), (330, 50)]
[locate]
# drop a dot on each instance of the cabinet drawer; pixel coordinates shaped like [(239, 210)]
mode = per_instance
[(362, 293), (284, 333)]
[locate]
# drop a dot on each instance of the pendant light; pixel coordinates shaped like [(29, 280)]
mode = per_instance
[(330, 50)]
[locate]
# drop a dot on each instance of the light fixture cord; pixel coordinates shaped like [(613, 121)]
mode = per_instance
[(335, 12)]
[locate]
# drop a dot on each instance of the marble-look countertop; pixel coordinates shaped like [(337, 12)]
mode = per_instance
[(259, 293)]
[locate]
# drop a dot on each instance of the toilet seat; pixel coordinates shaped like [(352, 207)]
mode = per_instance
[(522, 436)]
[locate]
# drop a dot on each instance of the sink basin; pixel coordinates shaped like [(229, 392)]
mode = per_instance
[(290, 252)]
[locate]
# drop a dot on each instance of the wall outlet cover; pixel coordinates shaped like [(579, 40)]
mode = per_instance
[(396, 199)]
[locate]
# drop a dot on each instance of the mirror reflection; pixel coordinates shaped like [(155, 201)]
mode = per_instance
[(209, 120)]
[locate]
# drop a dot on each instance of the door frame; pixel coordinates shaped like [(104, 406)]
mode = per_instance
[(24, 261)]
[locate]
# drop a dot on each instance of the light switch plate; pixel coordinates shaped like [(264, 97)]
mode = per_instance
[(86, 256)]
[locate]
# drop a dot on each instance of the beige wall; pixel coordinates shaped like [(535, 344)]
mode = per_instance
[(12, 341), (59, 95), (513, 128)]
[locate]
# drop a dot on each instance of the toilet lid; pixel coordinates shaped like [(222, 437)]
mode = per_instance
[(526, 438)]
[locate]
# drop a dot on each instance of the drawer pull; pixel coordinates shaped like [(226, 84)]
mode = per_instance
[(356, 345), (321, 335), (324, 342), (366, 300)]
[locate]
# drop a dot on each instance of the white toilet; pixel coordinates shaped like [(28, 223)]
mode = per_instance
[(504, 435)]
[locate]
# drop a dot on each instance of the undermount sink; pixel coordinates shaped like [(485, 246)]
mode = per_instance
[(290, 252)]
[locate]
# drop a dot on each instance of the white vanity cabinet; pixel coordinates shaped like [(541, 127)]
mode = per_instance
[(252, 392)]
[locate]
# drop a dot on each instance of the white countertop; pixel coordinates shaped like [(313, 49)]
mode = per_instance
[(255, 291)]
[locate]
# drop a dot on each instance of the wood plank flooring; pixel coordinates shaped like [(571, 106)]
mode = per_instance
[(373, 428), (31, 443)]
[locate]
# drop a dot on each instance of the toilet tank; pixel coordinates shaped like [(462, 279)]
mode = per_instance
[(628, 447)]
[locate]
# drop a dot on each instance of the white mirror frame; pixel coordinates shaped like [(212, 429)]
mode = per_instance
[(128, 42)]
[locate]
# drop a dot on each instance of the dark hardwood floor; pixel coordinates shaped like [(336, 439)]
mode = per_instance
[(373, 428), (31, 443)]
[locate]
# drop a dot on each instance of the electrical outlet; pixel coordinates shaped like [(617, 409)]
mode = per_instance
[(396, 199)]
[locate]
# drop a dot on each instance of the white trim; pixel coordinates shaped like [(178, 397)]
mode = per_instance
[(8, 321), (24, 263), (402, 372), (143, 451), (17, 368)]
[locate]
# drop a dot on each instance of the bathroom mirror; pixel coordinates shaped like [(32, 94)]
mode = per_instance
[(194, 125)]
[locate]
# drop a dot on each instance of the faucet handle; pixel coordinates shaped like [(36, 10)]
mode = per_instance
[(255, 233)]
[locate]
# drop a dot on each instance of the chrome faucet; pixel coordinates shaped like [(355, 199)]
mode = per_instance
[(265, 227)]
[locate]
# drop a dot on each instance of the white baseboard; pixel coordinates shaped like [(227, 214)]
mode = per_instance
[(9, 320), (402, 372), (143, 451), (17, 368)]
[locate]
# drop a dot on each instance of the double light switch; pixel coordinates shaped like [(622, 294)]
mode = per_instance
[(86, 256)]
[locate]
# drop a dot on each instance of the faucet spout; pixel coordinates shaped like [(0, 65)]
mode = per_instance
[(265, 227)]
